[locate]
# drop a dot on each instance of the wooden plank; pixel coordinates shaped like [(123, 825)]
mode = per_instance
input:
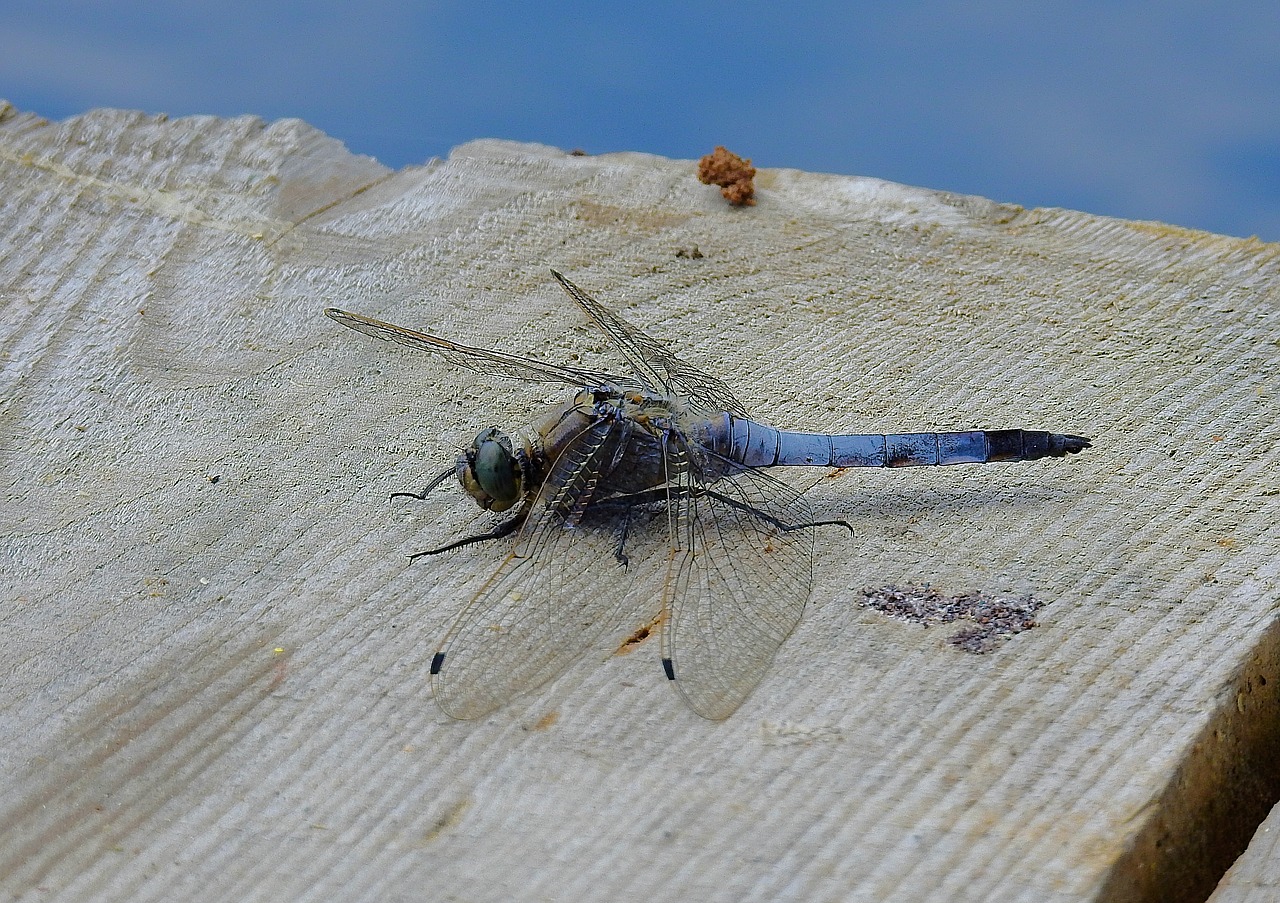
[(1255, 876), (218, 652)]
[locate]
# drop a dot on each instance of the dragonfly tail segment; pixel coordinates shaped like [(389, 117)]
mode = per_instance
[(757, 445)]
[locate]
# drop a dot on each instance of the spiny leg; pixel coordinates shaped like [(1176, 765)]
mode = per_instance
[(781, 525), (624, 528), (506, 528), (628, 504), (435, 481), (650, 496)]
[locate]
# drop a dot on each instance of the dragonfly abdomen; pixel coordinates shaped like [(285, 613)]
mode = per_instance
[(757, 445)]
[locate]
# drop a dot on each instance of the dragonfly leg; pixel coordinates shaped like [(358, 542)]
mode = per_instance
[(781, 525), (624, 528), (650, 496), (506, 528), (628, 504), (435, 481)]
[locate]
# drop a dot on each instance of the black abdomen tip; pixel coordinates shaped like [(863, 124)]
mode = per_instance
[(1031, 445), (1068, 445)]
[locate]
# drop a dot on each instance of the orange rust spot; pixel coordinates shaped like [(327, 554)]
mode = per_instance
[(546, 721), (642, 633)]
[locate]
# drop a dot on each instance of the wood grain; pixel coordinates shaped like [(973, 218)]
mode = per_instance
[(216, 652)]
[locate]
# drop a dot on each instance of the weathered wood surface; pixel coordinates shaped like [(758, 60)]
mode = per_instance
[(216, 653), (1255, 876)]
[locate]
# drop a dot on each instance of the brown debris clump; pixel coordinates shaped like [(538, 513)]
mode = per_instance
[(732, 173)]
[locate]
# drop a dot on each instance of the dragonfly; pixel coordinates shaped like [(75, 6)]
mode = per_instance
[(666, 448)]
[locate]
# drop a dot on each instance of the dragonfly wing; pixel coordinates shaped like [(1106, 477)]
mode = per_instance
[(552, 598), (498, 363), (736, 587), (660, 370)]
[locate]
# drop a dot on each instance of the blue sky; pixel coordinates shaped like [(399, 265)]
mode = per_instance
[(1166, 111)]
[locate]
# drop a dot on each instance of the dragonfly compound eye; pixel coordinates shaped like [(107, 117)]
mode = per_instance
[(493, 476)]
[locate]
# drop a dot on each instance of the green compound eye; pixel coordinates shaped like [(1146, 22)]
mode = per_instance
[(495, 469)]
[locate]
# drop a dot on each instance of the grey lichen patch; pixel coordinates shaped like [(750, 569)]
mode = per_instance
[(994, 618)]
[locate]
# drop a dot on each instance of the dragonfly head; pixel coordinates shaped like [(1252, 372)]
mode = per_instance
[(490, 471)]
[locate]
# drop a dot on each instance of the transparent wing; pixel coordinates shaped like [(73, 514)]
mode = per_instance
[(737, 585), (548, 602), (654, 365), (496, 362)]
